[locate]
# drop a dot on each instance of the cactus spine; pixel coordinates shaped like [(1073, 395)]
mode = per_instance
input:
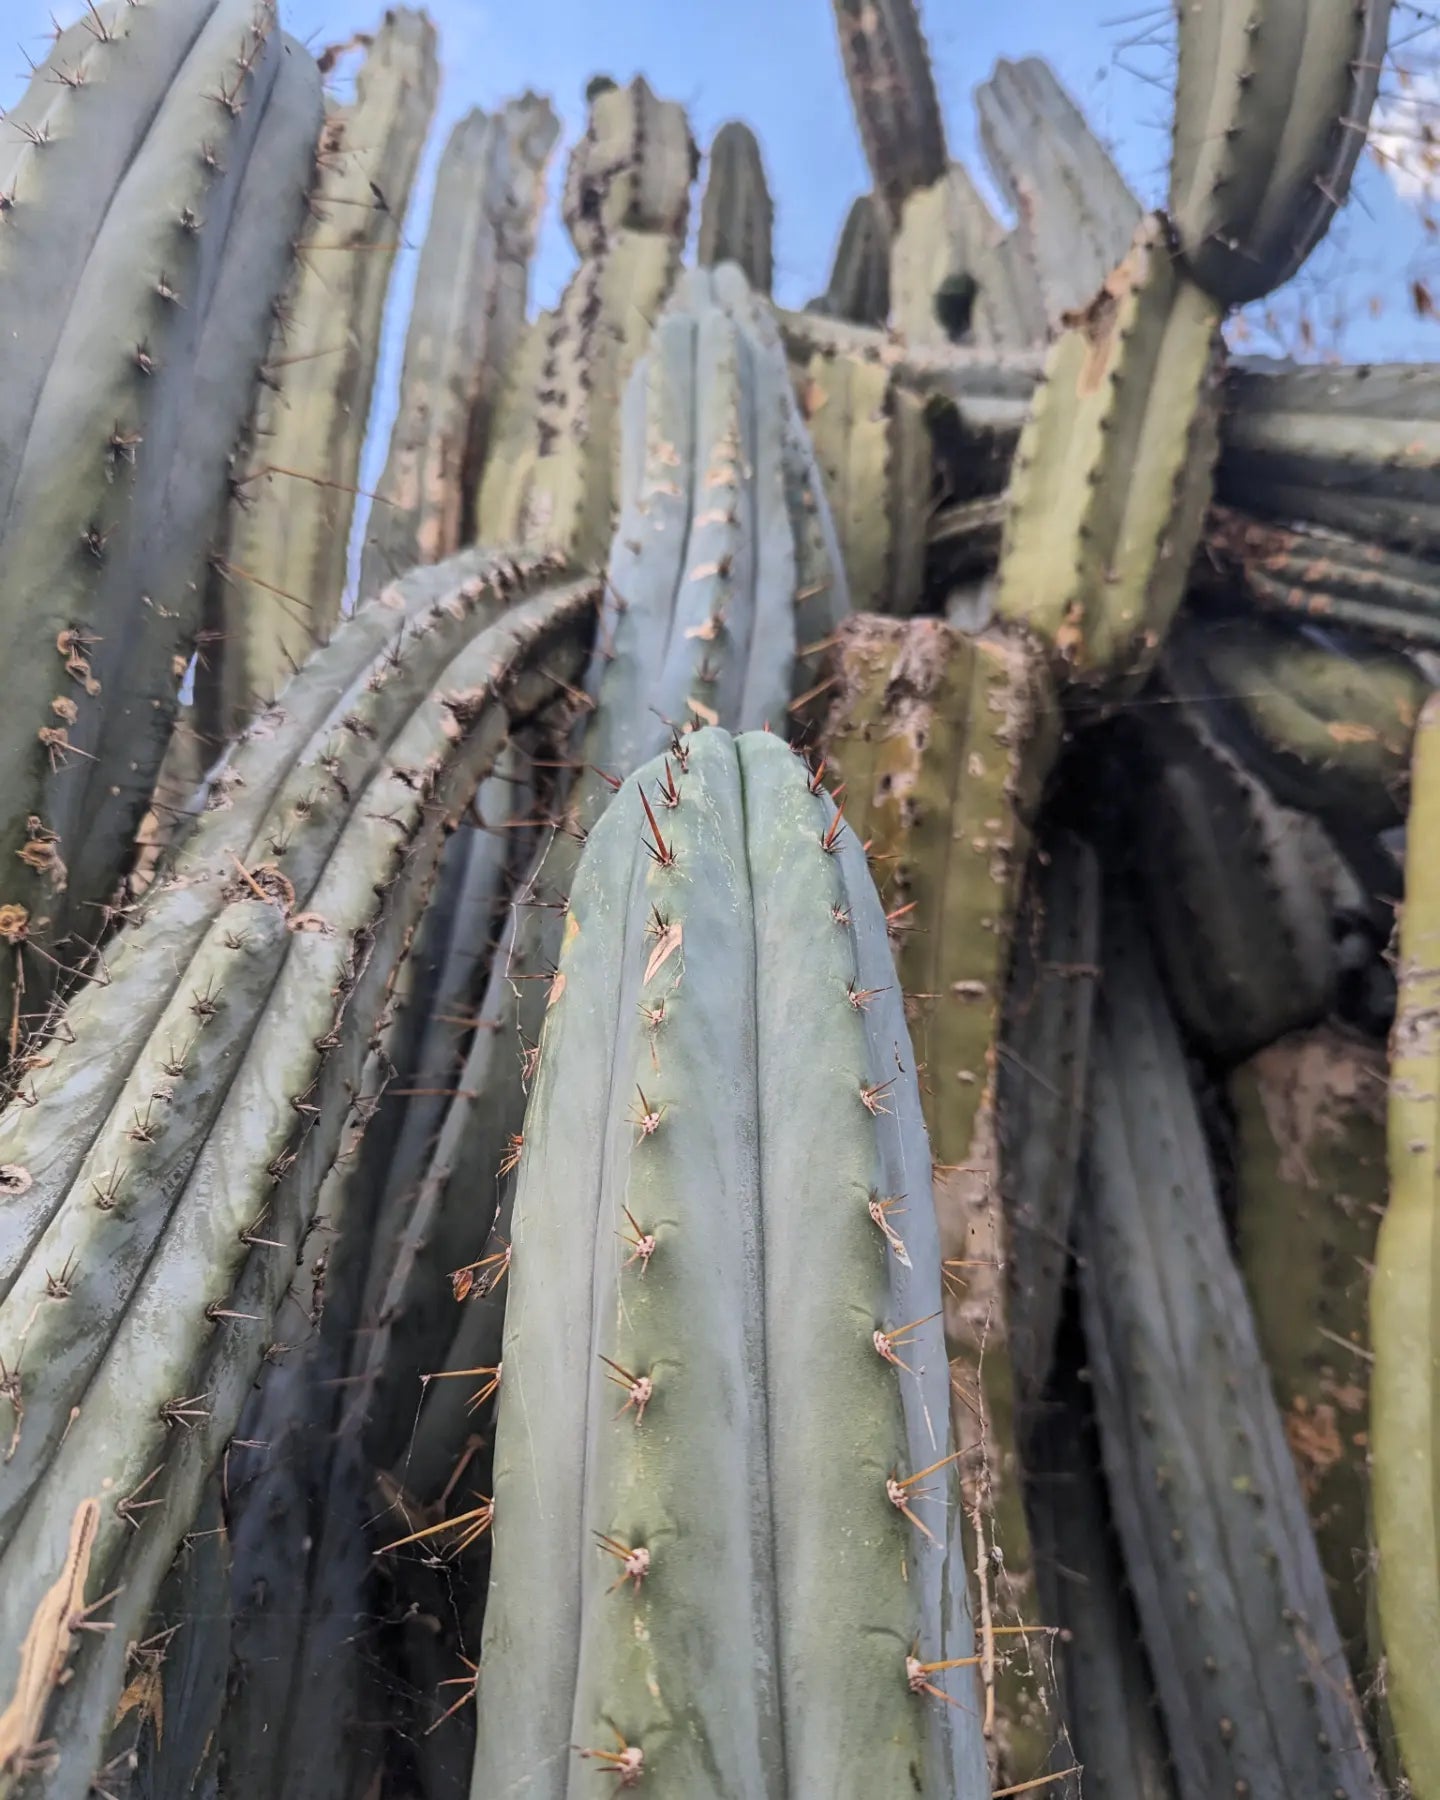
[(467, 322), (278, 588), (666, 1223)]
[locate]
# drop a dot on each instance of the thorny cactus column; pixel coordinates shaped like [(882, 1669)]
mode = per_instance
[(277, 589), (152, 183), (719, 1571)]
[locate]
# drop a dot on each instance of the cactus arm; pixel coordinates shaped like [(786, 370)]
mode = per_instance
[(1402, 1391), (1218, 1550), (632, 171), (952, 278), (467, 321), (859, 287), (1272, 102), (737, 215), (892, 89)]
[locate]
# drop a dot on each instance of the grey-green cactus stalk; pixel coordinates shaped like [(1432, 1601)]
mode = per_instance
[(1310, 1195), (859, 289), (711, 1597), (1113, 472), (159, 1199), (943, 744), (737, 215), (955, 277), (1218, 1549), (277, 589), (152, 185), (1240, 892), (893, 91), (1076, 217), (1328, 725), (1272, 102), (552, 475), (466, 324), (1403, 1304)]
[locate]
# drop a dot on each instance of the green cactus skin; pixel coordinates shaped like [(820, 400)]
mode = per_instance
[(737, 215), (1329, 728), (1112, 474), (1040, 1079), (1218, 1550), (177, 1336), (893, 92), (1350, 449), (1402, 1297), (723, 571), (1106, 1684), (1076, 216), (784, 1590), (1272, 101), (1239, 891), (943, 744), (859, 289), (1310, 1179), (112, 477), (165, 1739), (467, 321), (632, 171), (278, 588), (1329, 579), (952, 278)]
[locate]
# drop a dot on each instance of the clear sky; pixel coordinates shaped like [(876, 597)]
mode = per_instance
[(776, 65)]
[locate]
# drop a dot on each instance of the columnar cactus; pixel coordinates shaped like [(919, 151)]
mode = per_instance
[(955, 277), (1310, 1195), (468, 318), (152, 184), (150, 1196), (1076, 216), (1272, 101), (1227, 1581), (737, 215), (711, 1596), (277, 589), (1403, 1303), (859, 288), (893, 92), (943, 744), (1112, 475), (633, 169)]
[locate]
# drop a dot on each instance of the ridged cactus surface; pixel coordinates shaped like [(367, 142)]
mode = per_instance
[(737, 215), (153, 183), (468, 318), (712, 1596), (859, 287), (277, 589), (1272, 102), (893, 93)]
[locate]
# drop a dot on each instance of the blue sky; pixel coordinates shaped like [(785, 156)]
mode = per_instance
[(776, 64)]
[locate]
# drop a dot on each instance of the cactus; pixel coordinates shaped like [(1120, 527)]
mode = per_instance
[(797, 1612), (633, 169), (943, 744), (1040, 1084), (1329, 579), (137, 358), (737, 215), (1310, 1180), (1239, 891), (152, 1260), (1227, 1581), (954, 275), (1402, 1289), (277, 589), (468, 319), (1350, 449), (1076, 216), (859, 289), (893, 92), (1272, 102), (1112, 474), (1328, 725)]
